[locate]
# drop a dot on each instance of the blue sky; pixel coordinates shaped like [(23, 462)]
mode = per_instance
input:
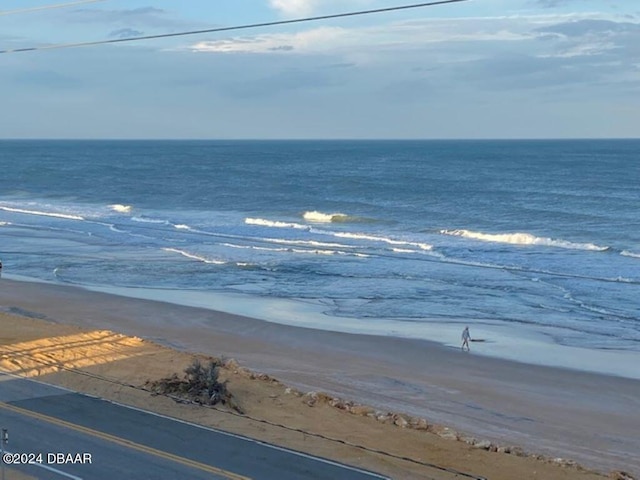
[(477, 69)]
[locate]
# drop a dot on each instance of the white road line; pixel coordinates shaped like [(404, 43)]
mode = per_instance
[(253, 440), (222, 432)]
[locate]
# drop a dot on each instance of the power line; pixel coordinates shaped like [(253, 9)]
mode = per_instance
[(237, 27), (47, 7)]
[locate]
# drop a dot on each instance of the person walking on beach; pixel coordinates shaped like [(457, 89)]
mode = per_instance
[(466, 336)]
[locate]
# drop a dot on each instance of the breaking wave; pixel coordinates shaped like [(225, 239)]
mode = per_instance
[(353, 236), (312, 243), (390, 241), (42, 214), (271, 223), (120, 208), (627, 253), (522, 239), (320, 217), (193, 256)]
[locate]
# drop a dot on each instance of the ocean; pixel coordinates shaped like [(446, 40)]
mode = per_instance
[(387, 237)]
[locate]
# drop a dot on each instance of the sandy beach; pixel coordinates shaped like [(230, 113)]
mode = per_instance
[(584, 417)]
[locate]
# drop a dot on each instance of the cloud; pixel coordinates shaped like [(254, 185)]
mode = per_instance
[(294, 7), (377, 41), (308, 41), (556, 3), (595, 37), (582, 27), (521, 75), (300, 8)]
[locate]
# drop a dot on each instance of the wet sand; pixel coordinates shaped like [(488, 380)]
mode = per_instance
[(587, 417)]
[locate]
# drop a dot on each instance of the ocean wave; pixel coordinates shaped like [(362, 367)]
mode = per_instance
[(390, 241), (312, 243), (149, 220), (315, 251), (274, 223), (116, 207), (193, 256), (522, 239), (42, 214), (253, 247), (4, 224), (628, 253), (319, 217)]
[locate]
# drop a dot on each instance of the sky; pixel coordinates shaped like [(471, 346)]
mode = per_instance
[(473, 69)]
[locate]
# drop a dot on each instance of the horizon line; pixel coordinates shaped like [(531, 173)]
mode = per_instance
[(311, 139)]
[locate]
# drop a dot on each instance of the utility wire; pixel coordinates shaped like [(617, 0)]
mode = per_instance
[(47, 7), (227, 29)]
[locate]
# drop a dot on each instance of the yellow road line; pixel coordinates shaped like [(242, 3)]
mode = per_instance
[(125, 443)]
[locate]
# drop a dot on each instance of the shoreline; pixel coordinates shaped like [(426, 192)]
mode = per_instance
[(518, 343), (588, 417)]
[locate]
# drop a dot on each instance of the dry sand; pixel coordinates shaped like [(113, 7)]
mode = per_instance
[(66, 336)]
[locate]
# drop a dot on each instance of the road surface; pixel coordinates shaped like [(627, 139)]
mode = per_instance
[(69, 435)]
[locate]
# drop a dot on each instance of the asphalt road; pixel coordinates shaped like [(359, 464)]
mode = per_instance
[(81, 437)]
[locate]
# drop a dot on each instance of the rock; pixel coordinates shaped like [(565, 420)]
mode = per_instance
[(483, 445), (292, 391), (420, 424), (232, 364), (310, 398), (620, 475), (266, 378), (563, 462), (384, 418), (469, 440), (518, 452), (447, 433), (361, 410), (400, 421)]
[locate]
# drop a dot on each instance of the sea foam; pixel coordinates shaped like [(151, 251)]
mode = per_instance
[(149, 220), (390, 241), (271, 223), (43, 214), (319, 217), (116, 207), (519, 238), (312, 243), (193, 256)]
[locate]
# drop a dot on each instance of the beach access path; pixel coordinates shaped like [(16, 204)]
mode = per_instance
[(590, 418)]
